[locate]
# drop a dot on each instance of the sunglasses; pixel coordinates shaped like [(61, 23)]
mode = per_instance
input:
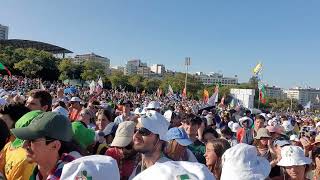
[(142, 131)]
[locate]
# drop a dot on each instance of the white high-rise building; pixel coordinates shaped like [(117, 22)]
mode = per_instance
[(4, 31), (158, 69), (132, 66)]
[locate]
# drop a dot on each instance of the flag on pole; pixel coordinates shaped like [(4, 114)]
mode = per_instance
[(214, 97), (2, 67), (159, 92), (170, 90), (92, 87), (205, 95), (308, 105), (184, 92), (257, 69), (99, 86), (42, 86), (318, 99), (262, 93), (222, 100)]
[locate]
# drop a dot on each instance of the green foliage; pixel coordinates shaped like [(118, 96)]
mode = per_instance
[(92, 70), (69, 70), (136, 81), (151, 85), (119, 81), (45, 63), (28, 67)]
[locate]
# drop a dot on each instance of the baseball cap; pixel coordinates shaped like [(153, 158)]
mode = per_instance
[(24, 121), (281, 142), (82, 135), (156, 123), (179, 135), (75, 99), (94, 166), (124, 134), (47, 124)]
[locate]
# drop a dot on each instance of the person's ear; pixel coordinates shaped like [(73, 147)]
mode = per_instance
[(56, 145), (45, 108)]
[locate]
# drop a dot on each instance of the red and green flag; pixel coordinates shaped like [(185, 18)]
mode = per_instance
[(2, 67), (262, 93)]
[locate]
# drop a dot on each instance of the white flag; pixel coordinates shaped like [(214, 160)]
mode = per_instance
[(170, 90), (318, 99), (92, 87), (42, 86), (308, 105), (214, 97)]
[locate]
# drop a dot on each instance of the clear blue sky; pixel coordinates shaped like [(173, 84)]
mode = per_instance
[(218, 35)]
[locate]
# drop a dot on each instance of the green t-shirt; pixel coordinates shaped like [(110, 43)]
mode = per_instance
[(198, 149)]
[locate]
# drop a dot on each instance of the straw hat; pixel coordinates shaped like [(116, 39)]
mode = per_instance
[(263, 133)]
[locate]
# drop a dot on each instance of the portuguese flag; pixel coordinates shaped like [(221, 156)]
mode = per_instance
[(2, 67), (262, 93)]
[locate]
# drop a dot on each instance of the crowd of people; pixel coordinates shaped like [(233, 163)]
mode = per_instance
[(54, 131)]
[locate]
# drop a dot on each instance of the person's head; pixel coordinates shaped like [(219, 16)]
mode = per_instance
[(45, 137), (278, 144), (150, 132), (154, 105), (262, 138), (226, 132), (177, 144), (10, 113), (126, 106), (294, 162), (4, 134), (191, 124), (39, 100), (316, 156), (209, 134), (75, 103), (85, 116), (214, 151), (93, 106), (295, 141), (103, 119), (124, 134), (259, 122), (245, 122)]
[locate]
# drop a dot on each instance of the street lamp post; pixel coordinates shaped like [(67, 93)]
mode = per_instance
[(187, 64)]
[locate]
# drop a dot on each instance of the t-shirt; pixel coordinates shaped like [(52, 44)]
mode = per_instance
[(14, 164), (198, 149)]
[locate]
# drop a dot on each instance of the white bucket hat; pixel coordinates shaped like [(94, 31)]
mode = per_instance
[(93, 167), (156, 123), (176, 170), (153, 105), (75, 99), (293, 156), (241, 162), (287, 126), (235, 127), (243, 119), (295, 138)]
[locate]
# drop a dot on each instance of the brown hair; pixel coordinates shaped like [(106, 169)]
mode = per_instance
[(44, 97), (219, 147)]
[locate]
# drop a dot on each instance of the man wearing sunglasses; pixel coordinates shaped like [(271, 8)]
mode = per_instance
[(149, 140), (47, 143)]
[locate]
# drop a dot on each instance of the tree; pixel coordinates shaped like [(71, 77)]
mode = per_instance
[(28, 67), (119, 81), (151, 85), (69, 70), (136, 81), (92, 70)]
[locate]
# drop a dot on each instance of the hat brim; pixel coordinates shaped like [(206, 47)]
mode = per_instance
[(302, 161), (263, 136), (26, 133), (121, 141), (184, 142)]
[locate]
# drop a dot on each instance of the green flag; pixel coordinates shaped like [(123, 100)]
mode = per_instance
[(2, 67)]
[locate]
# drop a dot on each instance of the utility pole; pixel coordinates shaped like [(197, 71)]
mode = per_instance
[(187, 64)]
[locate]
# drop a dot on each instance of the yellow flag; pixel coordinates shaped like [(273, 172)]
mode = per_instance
[(256, 70)]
